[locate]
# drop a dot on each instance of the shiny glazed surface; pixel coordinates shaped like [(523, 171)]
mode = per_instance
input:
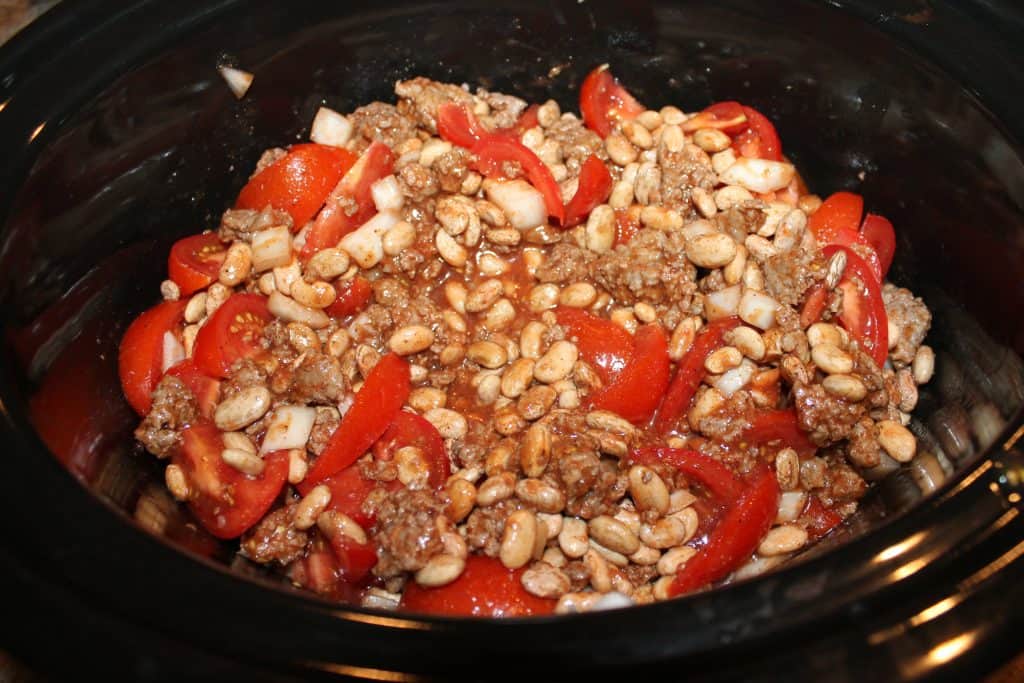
[(114, 181)]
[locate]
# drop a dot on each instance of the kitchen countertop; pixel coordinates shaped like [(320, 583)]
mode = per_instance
[(15, 15)]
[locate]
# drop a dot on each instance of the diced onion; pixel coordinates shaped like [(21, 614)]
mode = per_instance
[(271, 248), (612, 600), (289, 427), (387, 195), (731, 381), (791, 504), (238, 80), (758, 175), (330, 128), (758, 309), (723, 303), (173, 352), (523, 205), (365, 244)]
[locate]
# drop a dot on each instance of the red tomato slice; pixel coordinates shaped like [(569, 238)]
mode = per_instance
[(527, 120), (298, 182), (232, 333), (456, 125), (863, 313), (140, 358), (690, 372), (383, 394), (353, 297), (711, 474), (225, 501), (759, 140), (205, 389), (878, 233), (195, 261), (605, 345), (349, 488), (595, 186), (627, 225), (635, 393), (778, 426), (727, 117), (485, 589), (814, 305), (336, 219), (355, 560), (493, 152), (409, 429), (821, 519), (735, 538), (838, 218), (603, 101)]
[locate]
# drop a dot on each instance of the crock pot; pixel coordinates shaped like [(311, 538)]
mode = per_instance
[(119, 137)]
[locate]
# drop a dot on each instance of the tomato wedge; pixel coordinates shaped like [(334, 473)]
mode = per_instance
[(710, 473), (863, 314), (814, 305), (355, 560), (140, 357), (225, 501), (349, 488), (194, 262), (337, 218), (378, 402), (735, 538), (493, 150), (595, 186), (298, 182), (778, 426), (484, 589), (759, 140), (409, 429), (353, 297), (603, 101), (838, 218), (878, 233), (232, 333), (635, 393), (690, 372), (205, 389), (605, 345), (727, 117), (821, 519)]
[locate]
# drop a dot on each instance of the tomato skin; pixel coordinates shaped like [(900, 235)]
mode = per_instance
[(814, 305), (635, 393), (690, 372), (759, 140), (409, 429), (863, 314), (595, 186), (605, 345), (349, 488), (710, 473), (484, 589), (735, 538), (603, 101), (837, 217), (205, 389), (194, 262), (355, 560), (879, 234), (457, 126), (353, 297), (821, 519), (140, 355), (383, 394), (232, 333), (334, 222), (225, 501), (297, 183), (781, 426)]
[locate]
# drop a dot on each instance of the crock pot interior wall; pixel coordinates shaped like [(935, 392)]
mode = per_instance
[(162, 150)]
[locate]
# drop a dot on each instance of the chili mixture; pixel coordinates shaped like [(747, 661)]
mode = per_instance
[(463, 355)]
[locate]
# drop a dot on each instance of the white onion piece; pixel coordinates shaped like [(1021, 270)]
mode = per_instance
[(387, 195), (345, 404), (523, 205), (791, 504), (289, 427), (612, 600), (271, 248), (292, 311), (173, 352), (723, 303), (433, 149), (330, 128), (366, 244), (758, 309), (238, 80), (731, 381), (299, 240), (758, 175)]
